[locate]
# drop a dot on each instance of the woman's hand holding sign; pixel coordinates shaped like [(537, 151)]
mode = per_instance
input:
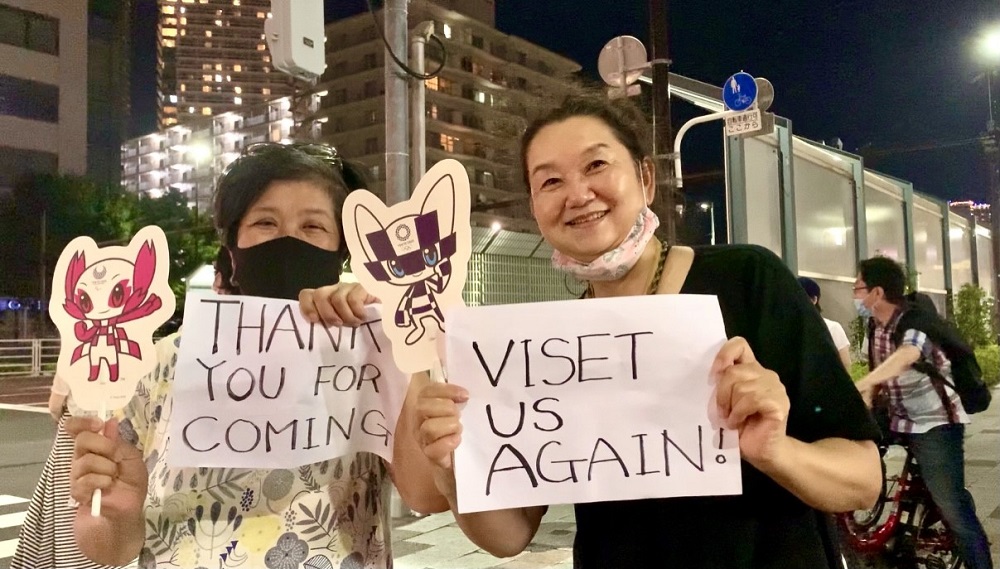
[(440, 428), (335, 305), (831, 475), (102, 460), (752, 400)]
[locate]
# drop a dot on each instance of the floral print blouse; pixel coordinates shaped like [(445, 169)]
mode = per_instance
[(329, 515)]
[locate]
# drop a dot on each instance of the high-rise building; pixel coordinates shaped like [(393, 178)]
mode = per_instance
[(43, 88), (109, 41), (189, 157), (980, 212), (475, 108), (213, 58)]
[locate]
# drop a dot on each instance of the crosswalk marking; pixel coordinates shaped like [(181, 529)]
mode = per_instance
[(7, 548), (11, 520), (8, 500)]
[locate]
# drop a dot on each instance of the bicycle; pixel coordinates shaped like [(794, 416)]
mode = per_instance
[(902, 530)]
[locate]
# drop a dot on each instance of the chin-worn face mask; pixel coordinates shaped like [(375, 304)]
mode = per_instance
[(282, 267), (615, 263)]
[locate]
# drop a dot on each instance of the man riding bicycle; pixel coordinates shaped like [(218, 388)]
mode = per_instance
[(924, 410)]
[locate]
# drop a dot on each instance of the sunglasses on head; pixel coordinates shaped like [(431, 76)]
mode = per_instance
[(327, 154)]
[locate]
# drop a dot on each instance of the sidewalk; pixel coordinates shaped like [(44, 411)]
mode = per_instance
[(436, 542)]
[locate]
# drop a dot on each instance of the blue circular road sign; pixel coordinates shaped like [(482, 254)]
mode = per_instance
[(739, 92)]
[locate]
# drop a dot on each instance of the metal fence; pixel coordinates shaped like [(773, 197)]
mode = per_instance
[(28, 358)]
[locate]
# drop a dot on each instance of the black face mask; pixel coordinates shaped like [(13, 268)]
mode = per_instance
[(282, 267)]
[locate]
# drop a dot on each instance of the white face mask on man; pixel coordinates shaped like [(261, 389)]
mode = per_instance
[(863, 311)]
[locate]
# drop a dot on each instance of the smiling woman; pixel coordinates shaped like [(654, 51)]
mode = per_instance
[(805, 435)]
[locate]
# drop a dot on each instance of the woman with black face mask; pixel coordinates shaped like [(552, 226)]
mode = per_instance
[(278, 212)]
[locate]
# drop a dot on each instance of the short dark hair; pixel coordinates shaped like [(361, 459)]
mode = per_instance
[(223, 265), (886, 273), (812, 290), (249, 176), (625, 119)]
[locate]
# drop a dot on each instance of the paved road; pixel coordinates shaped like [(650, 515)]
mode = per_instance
[(433, 541)]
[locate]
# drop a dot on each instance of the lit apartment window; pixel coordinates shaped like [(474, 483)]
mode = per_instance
[(261, 15), (168, 9), (183, 87), (218, 79), (237, 101), (206, 77), (173, 99), (218, 67), (206, 110), (265, 91), (218, 23), (432, 111), (432, 83), (169, 32), (267, 58), (237, 90), (229, 77), (184, 21), (169, 43), (237, 68), (208, 33), (236, 2), (206, 89), (447, 30), (448, 142), (170, 21), (190, 109), (261, 47), (206, 66)]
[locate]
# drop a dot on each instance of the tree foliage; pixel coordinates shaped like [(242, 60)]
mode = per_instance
[(70, 206)]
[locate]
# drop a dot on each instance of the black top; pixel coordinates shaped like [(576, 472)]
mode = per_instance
[(766, 526)]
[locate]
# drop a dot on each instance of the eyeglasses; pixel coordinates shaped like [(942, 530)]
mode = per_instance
[(857, 288)]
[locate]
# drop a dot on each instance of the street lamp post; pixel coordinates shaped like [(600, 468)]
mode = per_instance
[(990, 50), (709, 207)]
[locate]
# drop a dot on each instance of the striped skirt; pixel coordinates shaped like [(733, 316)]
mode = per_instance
[(46, 538)]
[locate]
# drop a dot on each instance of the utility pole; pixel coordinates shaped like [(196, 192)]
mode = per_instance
[(43, 280), (991, 147), (397, 171), (418, 102), (663, 140)]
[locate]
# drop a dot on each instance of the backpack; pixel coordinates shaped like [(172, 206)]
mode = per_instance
[(921, 301), (967, 377)]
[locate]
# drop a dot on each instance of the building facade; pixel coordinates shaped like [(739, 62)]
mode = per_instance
[(212, 58), (980, 212), (475, 108), (189, 157), (43, 88)]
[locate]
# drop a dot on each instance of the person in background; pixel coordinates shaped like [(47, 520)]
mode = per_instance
[(46, 536), (840, 339), (924, 410)]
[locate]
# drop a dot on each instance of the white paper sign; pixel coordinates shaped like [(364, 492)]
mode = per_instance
[(577, 401), (257, 386)]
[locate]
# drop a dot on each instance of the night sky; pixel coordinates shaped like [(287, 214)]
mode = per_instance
[(885, 73)]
